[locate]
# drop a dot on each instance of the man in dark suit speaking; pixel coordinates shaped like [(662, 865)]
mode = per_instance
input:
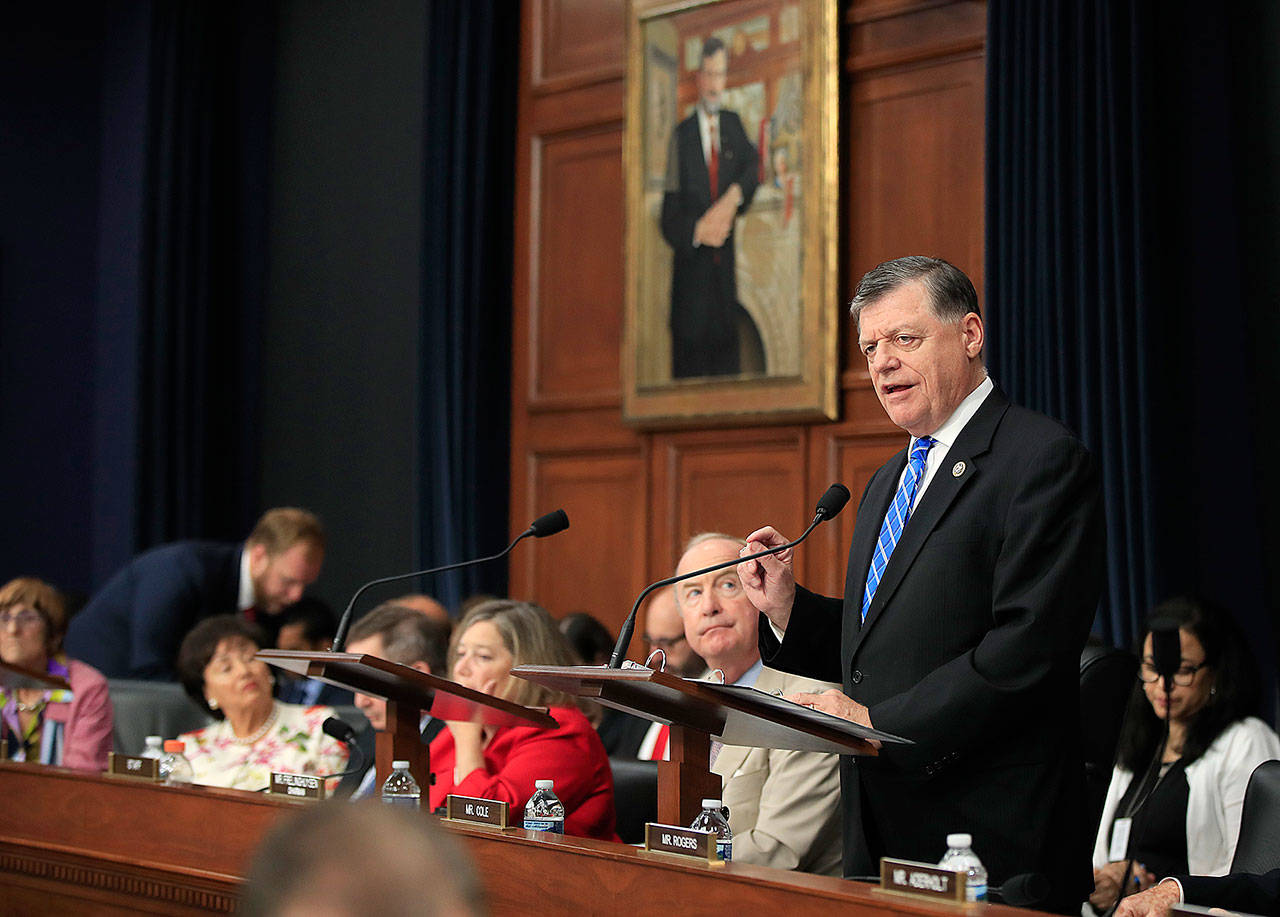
[(712, 173), (973, 577)]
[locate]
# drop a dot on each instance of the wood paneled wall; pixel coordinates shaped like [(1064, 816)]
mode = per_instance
[(911, 157)]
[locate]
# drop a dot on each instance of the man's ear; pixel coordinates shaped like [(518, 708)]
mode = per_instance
[(974, 334), (421, 667), (258, 557)]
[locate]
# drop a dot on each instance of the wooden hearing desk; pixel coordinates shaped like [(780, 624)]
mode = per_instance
[(72, 843)]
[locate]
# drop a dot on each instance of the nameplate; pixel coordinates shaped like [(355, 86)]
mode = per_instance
[(474, 811), (130, 766), (297, 786), (684, 842), (922, 880)]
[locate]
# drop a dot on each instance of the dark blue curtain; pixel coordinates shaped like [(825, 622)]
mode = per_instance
[(471, 80), (1069, 308), (203, 269), (1115, 282)]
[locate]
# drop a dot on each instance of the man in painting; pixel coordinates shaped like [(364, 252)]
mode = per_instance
[(712, 173)]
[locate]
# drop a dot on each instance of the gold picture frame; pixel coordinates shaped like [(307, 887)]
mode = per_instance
[(767, 291)]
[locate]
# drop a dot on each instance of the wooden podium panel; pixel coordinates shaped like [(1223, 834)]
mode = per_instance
[(78, 844)]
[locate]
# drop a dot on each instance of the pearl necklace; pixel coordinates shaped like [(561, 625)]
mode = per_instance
[(30, 708), (262, 730)]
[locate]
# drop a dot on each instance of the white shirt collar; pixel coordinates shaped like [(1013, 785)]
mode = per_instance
[(245, 599), (946, 434)]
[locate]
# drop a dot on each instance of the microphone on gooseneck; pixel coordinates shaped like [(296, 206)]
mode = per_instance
[(342, 731), (548, 524), (1166, 651), (829, 505)]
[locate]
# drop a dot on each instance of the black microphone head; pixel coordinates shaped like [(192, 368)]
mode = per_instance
[(339, 729), (1166, 647), (831, 502), (550, 524), (1026, 890)]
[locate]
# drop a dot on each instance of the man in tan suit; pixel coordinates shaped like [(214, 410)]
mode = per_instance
[(784, 806)]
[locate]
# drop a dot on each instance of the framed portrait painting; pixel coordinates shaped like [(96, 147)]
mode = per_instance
[(731, 186)]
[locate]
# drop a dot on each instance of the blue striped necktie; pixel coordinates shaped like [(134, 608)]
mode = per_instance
[(896, 519)]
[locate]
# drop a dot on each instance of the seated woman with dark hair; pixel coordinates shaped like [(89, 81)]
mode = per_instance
[(70, 729), (256, 734), (1194, 794), (503, 763)]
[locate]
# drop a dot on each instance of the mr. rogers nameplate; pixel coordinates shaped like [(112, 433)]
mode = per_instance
[(130, 766), (686, 842), (922, 880), (298, 786), (475, 811)]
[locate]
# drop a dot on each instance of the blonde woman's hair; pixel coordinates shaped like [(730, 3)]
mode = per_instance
[(531, 636)]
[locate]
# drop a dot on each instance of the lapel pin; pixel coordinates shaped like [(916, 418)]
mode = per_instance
[(957, 469)]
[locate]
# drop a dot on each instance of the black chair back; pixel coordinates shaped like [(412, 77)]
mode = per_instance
[(1258, 849), (635, 796), (1107, 677)]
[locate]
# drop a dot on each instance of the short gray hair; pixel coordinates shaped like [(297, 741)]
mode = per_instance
[(951, 293), (711, 536)]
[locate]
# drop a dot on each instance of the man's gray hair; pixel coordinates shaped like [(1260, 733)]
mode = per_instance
[(710, 536), (951, 293)]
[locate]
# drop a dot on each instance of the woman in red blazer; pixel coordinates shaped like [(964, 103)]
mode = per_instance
[(503, 762)]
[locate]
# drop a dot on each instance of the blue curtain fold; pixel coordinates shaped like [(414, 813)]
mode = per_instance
[(472, 73), (1068, 305), (203, 271), (1118, 260)]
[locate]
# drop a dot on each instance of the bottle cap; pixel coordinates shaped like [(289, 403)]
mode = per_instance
[(711, 803), (959, 840), (399, 765), (544, 784), (175, 745)]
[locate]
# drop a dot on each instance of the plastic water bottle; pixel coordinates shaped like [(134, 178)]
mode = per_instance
[(174, 766), (544, 811), (960, 857), (400, 789), (154, 749), (712, 818)]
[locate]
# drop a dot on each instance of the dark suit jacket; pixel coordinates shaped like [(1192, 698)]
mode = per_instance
[(971, 648), (704, 286), (1238, 891), (133, 625)]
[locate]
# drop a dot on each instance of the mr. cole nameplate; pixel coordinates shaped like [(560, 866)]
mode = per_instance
[(488, 812)]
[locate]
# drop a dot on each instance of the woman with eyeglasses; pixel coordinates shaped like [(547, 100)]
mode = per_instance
[(1190, 820), (56, 726), (255, 734)]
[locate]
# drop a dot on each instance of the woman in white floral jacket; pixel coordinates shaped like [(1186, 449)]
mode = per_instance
[(255, 734)]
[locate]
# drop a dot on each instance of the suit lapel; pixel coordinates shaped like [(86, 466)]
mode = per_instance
[(974, 441), (875, 504)]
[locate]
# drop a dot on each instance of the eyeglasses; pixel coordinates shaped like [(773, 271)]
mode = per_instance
[(24, 618), (1183, 677), (665, 643)]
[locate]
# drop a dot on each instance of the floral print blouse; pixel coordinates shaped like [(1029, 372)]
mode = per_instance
[(292, 744)]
